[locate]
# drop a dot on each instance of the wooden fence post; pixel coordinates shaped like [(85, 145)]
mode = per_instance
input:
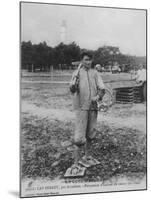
[(51, 72)]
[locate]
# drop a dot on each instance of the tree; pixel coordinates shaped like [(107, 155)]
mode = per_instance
[(106, 55), (26, 55), (42, 56), (72, 53), (64, 54)]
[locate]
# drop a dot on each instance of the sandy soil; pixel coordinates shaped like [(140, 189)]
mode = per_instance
[(47, 118), (131, 116)]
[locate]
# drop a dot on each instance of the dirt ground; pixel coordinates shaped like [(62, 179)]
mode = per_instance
[(54, 101), (47, 120)]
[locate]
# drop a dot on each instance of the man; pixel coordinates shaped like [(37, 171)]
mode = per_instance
[(141, 79), (141, 74), (98, 67), (89, 90)]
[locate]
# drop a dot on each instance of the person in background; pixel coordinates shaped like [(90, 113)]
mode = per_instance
[(98, 67), (141, 74), (141, 79)]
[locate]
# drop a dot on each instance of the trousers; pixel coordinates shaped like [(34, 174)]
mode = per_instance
[(85, 126)]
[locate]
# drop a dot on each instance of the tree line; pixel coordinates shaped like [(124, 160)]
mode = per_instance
[(42, 57)]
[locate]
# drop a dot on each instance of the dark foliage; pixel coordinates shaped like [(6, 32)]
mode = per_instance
[(42, 57), (120, 151)]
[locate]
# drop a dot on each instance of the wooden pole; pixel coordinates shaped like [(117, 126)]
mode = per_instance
[(51, 72), (32, 68)]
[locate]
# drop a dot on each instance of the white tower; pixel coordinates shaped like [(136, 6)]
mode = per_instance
[(63, 32)]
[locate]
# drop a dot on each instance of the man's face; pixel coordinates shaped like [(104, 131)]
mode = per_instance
[(86, 61)]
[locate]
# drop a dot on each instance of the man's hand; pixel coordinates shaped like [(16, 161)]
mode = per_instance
[(96, 98), (73, 88), (101, 93), (99, 96)]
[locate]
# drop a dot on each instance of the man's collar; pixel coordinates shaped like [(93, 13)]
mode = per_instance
[(85, 68)]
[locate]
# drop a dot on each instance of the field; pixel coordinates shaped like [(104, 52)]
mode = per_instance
[(47, 121)]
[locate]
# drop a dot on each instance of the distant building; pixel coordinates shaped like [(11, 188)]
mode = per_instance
[(116, 68), (63, 32)]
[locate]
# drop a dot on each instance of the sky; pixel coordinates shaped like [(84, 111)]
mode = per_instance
[(89, 27)]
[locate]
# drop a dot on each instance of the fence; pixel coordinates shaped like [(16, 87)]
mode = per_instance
[(125, 89)]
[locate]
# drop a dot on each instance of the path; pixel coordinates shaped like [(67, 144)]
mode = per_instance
[(138, 122)]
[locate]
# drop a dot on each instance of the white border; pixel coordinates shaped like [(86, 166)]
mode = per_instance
[(9, 101)]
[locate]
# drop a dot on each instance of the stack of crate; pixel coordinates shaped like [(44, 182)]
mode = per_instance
[(128, 95)]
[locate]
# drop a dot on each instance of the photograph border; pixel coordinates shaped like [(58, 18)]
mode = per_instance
[(20, 39)]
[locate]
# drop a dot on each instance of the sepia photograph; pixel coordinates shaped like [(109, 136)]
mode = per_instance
[(83, 99)]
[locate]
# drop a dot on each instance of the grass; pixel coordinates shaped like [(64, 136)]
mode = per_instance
[(120, 151), (47, 95)]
